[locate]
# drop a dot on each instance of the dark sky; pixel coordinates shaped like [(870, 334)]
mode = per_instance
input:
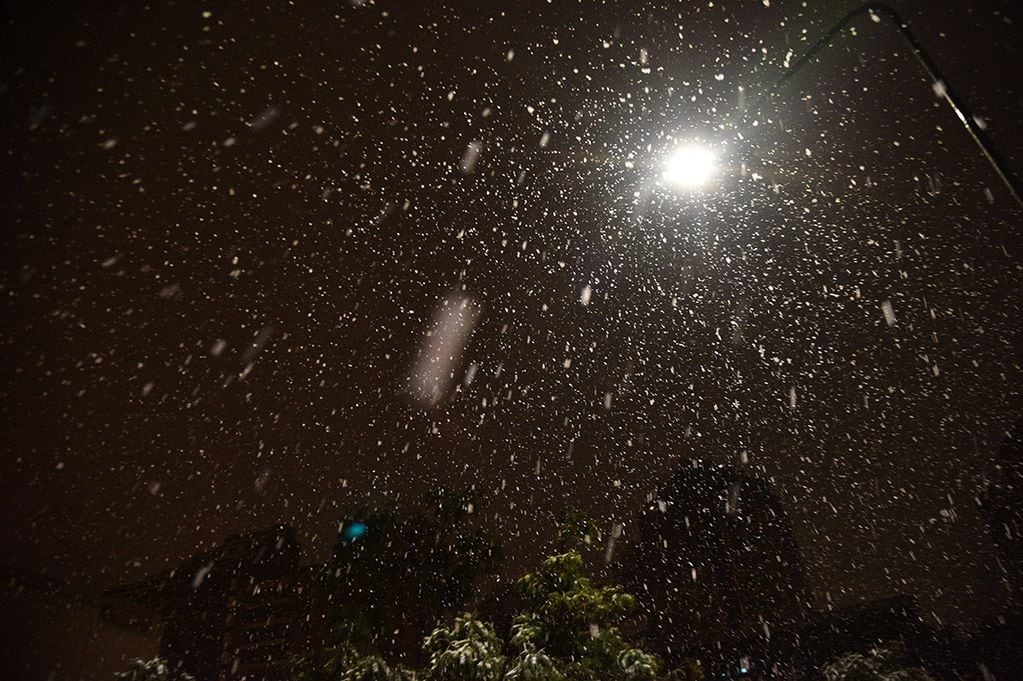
[(228, 230)]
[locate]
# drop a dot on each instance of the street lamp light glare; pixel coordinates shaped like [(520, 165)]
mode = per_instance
[(690, 167)]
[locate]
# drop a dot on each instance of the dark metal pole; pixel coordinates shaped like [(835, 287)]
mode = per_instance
[(950, 96)]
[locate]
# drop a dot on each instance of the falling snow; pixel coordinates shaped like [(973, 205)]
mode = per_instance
[(275, 266)]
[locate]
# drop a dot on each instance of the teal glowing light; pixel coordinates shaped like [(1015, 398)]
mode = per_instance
[(354, 530)]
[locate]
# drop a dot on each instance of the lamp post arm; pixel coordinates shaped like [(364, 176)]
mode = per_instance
[(951, 97)]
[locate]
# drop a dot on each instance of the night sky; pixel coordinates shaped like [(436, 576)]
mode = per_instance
[(229, 227)]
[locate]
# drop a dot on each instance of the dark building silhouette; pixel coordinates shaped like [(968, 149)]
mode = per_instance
[(996, 644), (242, 609), (990, 654), (714, 562), (394, 577), (801, 650), (229, 613), (67, 639), (1003, 508)]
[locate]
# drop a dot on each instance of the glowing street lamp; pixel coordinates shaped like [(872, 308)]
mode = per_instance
[(690, 167)]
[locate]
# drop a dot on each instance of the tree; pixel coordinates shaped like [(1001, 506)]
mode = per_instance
[(576, 531), (468, 651), (568, 631), (374, 668), (343, 662), (151, 670), (885, 663), (404, 572)]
